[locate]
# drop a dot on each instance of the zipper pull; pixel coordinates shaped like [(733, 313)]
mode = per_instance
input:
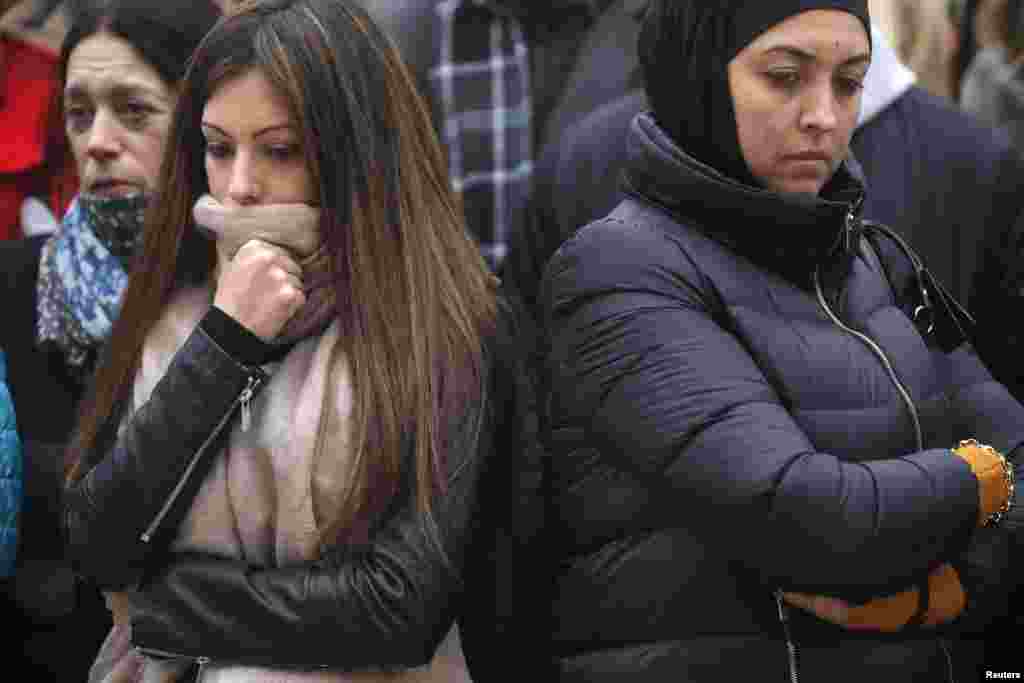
[(201, 662), (848, 231), (245, 399), (850, 225), (783, 617)]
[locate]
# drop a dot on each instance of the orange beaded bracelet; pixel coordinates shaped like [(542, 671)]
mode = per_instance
[(995, 479)]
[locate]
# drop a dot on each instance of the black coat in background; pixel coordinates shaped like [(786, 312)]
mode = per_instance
[(45, 394), (59, 622)]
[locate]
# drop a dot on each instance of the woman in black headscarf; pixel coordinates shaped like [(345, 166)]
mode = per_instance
[(775, 454)]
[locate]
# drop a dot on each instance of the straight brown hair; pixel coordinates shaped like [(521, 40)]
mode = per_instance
[(415, 300)]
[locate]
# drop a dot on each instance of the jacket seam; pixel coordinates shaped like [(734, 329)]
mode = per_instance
[(213, 342)]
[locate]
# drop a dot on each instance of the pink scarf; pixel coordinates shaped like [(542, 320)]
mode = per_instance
[(295, 227), (256, 503)]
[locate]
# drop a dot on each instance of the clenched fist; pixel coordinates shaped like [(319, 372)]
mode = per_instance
[(260, 287)]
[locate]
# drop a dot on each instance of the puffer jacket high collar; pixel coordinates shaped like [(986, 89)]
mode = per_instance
[(787, 234)]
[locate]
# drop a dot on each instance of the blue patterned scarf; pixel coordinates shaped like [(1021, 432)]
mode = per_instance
[(83, 272)]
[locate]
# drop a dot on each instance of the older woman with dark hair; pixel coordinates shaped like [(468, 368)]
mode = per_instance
[(775, 455), (119, 68)]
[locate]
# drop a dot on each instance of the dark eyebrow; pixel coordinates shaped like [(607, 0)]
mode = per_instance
[(804, 56), (258, 133)]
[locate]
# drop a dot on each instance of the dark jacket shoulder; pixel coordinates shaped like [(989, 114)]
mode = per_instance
[(941, 185), (44, 393)]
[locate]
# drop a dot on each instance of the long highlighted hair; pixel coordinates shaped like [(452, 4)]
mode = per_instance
[(415, 300)]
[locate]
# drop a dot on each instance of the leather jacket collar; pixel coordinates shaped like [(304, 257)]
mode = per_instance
[(787, 234)]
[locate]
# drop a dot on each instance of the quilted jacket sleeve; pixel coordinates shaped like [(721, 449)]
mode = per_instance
[(10, 477), (639, 361)]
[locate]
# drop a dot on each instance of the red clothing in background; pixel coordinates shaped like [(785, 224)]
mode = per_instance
[(29, 75)]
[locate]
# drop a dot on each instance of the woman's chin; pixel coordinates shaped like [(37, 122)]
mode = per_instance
[(810, 185)]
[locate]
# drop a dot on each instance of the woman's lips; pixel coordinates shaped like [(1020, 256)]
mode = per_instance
[(113, 188), (808, 157)]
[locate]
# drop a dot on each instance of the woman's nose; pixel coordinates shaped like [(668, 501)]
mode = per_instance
[(104, 143), (819, 111), (244, 187)]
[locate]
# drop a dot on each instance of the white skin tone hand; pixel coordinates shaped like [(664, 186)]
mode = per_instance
[(260, 287)]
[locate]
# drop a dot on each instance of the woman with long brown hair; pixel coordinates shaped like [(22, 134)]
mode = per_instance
[(294, 400)]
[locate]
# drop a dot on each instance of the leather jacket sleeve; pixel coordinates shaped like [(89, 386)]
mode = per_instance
[(390, 603), (129, 504)]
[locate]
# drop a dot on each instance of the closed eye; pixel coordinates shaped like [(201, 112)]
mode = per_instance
[(135, 112), (218, 150), (78, 116), (784, 78), (849, 86), (283, 152)]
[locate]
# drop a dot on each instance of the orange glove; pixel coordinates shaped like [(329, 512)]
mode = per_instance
[(946, 600)]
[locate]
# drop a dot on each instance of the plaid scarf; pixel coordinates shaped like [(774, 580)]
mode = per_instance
[(483, 84)]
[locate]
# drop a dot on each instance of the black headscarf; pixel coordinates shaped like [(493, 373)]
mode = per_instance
[(685, 47)]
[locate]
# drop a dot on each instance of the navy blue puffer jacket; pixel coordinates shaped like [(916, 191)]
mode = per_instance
[(739, 403)]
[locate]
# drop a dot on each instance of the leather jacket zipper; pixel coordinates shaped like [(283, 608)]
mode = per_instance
[(200, 660), (794, 677), (949, 659), (154, 653), (256, 380)]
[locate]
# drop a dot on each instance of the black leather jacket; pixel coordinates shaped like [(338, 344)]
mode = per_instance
[(386, 605)]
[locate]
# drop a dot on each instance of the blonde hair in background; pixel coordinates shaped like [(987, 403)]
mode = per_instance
[(923, 37)]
